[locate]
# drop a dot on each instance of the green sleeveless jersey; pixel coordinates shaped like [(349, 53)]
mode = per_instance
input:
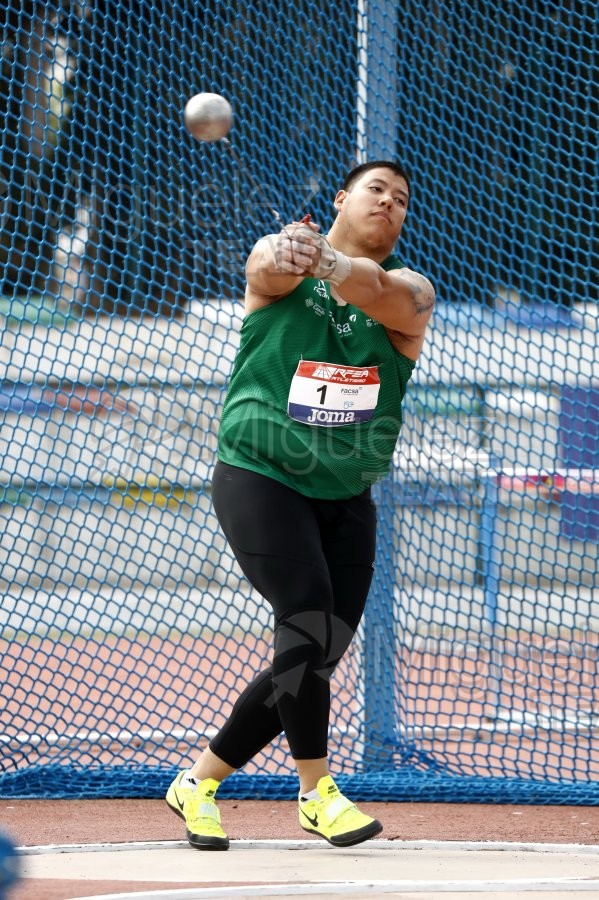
[(315, 396)]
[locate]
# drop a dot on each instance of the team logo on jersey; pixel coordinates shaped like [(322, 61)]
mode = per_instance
[(342, 328)]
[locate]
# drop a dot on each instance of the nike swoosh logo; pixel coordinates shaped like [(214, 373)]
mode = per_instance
[(179, 804), (313, 821)]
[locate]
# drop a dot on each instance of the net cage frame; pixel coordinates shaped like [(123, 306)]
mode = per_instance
[(475, 673)]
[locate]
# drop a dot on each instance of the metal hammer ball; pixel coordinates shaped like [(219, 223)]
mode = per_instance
[(208, 117)]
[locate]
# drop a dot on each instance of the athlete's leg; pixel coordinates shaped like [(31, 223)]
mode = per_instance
[(275, 536), (348, 534), (344, 536)]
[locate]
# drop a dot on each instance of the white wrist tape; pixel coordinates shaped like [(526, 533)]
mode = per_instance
[(342, 268), (332, 266)]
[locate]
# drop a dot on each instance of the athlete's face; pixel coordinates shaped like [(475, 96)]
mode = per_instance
[(374, 209)]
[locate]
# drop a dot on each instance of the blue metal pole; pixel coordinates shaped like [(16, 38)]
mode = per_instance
[(376, 138), (377, 90), (488, 551), (489, 563), (380, 642)]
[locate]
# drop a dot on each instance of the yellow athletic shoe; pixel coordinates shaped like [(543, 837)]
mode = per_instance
[(335, 818), (200, 813)]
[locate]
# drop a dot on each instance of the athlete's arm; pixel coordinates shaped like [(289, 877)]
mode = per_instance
[(277, 264), (402, 300)]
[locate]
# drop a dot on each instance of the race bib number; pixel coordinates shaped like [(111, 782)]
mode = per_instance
[(329, 395)]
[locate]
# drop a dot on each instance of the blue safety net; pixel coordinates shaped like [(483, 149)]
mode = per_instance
[(126, 627)]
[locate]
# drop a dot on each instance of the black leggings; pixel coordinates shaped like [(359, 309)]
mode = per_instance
[(312, 560)]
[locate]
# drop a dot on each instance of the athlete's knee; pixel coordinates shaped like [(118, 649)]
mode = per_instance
[(314, 637), (302, 628)]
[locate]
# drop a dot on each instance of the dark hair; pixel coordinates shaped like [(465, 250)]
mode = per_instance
[(358, 171)]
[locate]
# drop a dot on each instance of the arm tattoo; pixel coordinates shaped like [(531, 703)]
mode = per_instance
[(421, 290)]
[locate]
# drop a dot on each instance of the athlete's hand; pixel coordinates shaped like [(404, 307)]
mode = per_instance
[(324, 261), (300, 250), (328, 263), (295, 247)]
